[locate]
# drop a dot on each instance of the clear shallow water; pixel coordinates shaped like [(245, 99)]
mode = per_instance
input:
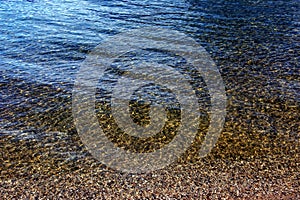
[(256, 45)]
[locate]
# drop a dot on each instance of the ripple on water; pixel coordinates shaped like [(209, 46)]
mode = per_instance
[(254, 43)]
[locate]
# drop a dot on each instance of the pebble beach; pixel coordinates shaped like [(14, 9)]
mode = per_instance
[(254, 46), (52, 169)]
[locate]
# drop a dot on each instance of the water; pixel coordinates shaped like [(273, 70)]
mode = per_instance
[(256, 45)]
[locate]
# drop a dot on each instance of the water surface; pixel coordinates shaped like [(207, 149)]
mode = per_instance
[(256, 45)]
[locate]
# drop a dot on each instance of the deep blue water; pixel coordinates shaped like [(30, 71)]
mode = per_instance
[(256, 45)]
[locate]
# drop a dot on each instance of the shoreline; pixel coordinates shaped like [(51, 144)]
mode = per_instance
[(232, 180), (40, 169)]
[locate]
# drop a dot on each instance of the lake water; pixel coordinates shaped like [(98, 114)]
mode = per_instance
[(255, 44)]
